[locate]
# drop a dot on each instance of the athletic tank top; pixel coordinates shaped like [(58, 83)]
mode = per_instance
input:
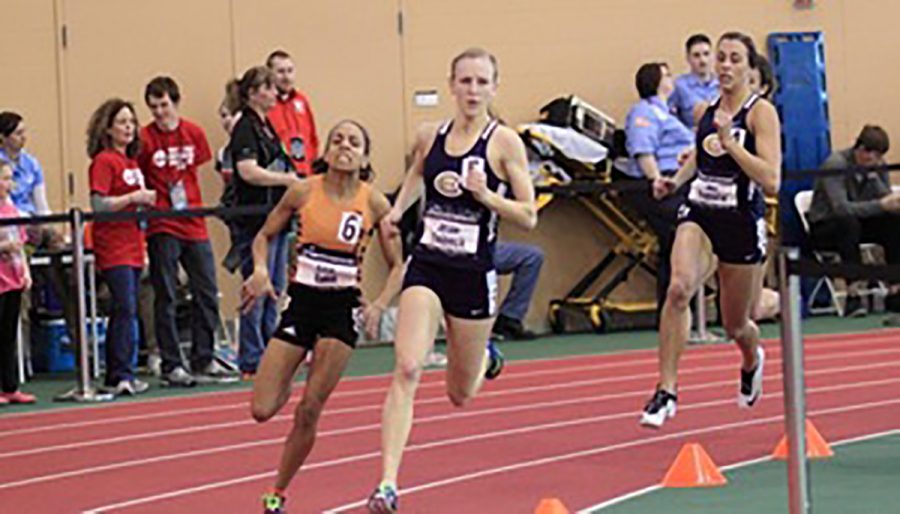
[(456, 229), (332, 237), (720, 182)]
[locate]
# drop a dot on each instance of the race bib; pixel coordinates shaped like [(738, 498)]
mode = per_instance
[(713, 194), (452, 237), (325, 272), (350, 228), (178, 195)]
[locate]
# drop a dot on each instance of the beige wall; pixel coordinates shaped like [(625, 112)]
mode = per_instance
[(353, 63), (29, 83)]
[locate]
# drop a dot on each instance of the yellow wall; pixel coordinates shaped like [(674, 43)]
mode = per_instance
[(353, 63)]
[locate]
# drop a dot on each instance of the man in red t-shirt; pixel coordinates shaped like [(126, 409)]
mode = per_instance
[(171, 150), (292, 115)]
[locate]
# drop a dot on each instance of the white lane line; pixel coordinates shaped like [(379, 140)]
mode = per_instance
[(427, 401), (490, 435), (605, 449), (420, 421)]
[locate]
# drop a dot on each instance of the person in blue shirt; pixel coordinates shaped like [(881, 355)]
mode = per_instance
[(30, 198), (29, 194), (656, 141), (700, 84)]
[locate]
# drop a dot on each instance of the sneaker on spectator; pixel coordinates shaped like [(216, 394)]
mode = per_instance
[(154, 365), (435, 359), (509, 329), (3, 401), (18, 397), (178, 377), (131, 387), (215, 373)]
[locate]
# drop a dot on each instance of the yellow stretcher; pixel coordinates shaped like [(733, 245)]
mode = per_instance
[(636, 246)]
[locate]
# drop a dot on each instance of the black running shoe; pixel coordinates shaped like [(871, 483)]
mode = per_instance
[(495, 361), (661, 407)]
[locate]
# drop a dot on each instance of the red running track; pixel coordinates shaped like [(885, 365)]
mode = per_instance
[(564, 428)]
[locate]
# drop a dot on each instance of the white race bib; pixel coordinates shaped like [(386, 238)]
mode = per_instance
[(452, 237), (321, 271), (717, 195)]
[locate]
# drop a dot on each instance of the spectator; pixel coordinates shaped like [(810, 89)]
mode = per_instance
[(29, 195), (117, 184), (700, 84), (850, 209), (262, 172), (656, 141), (14, 279), (172, 149), (292, 115), (524, 261), (229, 114)]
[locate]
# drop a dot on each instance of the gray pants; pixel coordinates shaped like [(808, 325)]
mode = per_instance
[(196, 257)]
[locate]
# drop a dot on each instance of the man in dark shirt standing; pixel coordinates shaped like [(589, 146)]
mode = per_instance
[(857, 208)]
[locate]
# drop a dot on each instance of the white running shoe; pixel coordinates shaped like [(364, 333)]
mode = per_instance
[(751, 389)]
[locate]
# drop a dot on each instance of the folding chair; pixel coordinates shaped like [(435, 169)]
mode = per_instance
[(803, 202)]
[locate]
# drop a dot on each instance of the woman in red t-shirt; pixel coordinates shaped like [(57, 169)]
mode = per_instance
[(117, 184)]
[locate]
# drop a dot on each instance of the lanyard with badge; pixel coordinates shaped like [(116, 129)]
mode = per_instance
[(177, 191)]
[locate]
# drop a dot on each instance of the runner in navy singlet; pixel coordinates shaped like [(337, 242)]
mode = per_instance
[(465, 166), (737, 161)]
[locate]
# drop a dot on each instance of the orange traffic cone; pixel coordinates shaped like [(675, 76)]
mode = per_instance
[(693, 468), (551, 506), (816, 445)]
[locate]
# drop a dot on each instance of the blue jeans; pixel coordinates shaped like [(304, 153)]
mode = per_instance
[(196, 257), (524, 261), (260, 323), (121, 341)]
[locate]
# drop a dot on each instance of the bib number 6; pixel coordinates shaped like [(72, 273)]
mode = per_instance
[(350, 228)]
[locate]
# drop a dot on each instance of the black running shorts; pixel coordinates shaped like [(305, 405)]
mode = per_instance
[(313, 314)]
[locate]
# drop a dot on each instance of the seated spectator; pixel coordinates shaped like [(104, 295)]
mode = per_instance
[(656, 141), (172, 148), (698, 85), (14, 279), (117, 184), (524, 261), (850, 209)]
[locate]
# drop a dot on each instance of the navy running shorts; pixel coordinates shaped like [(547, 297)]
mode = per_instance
[(464, 293), (738, 237)]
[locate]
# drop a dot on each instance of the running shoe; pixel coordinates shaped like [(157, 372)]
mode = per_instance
[(383, 500), (178, 377), (752, 382), (495, 361), (273, 503), (131, 387), (661, 407)]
